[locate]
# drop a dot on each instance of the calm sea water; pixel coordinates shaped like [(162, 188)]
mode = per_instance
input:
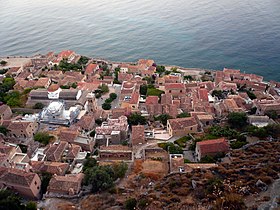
[(243, 34)]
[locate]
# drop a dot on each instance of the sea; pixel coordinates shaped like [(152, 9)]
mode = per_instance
[(210, 34)]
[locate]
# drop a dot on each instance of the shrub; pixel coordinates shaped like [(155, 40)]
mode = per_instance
[(113, 96), (130, 204), (92, 133), (38, 105), (98, 121), (237, 119), (183, 115), (106, 106), (108, 100), (42, 137), (136, 119), (4, 130)]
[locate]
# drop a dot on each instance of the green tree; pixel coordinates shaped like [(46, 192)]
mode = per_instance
[(251, 95), (130, 204), (99, 179), (136, 119), (237, 119), (163, 118), (143, 89), (42, 137), (89, 163), (92, 133), (183, 115), (119, 170), (113, 96), (45, 179), (106, 106), (13, 99), (272, 114), (31, 206), (38, 105), (8, 201), (3, 63), (98, 121), (4, 130), (104, 88), (160, 69), (74, 85)]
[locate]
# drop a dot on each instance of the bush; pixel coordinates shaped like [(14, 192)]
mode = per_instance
[(163, 118), (237, 144), (98, 121), (136, 119), (104, 88), (183, 115), (171, 148), (106, 106), (108, 100), (143, 89), (4, 130), (92, 133), (3, 63), (42, 137), (237, 119), (130, 204), (182, 141), (113, 96), (38, 106)]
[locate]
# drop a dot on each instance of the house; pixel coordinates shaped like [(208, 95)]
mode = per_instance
[(5, 113), (68, 55), (146, 62), (181, 126), (175, 89), (56, 150), (125, 77), (53, 75), (176, 163), (119, 124), (49, 167), (14, 71), (73, 136), (91, 69), (22, 129), (211, 148), (138, 135), (43, 83), (86, 122), (115, 152), (70, 184), (27, 184), (73, 152), (205, 120)]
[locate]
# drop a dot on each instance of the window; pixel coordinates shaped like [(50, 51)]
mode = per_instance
[(35, 183), (191, 128), (181, 91)]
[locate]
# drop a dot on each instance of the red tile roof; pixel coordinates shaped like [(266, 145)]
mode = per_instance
[(181, 123), (16, 176), (152, 100), (90, 68), (213, 146), (175, 86), (203, 94)]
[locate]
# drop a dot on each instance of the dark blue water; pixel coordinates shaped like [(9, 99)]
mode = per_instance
[(243, 34)]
